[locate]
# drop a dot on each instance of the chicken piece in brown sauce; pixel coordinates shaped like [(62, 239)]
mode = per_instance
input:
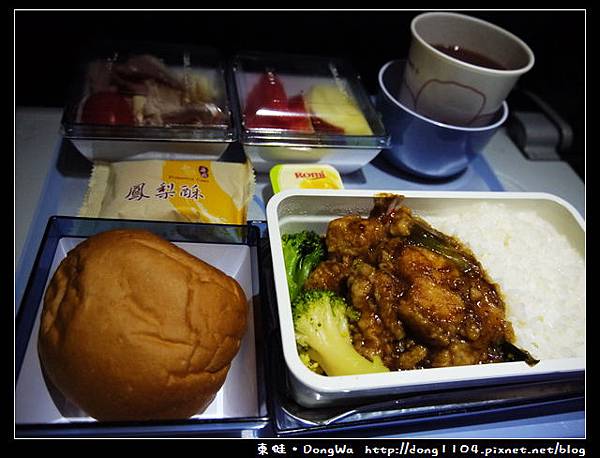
[(423, 298), (331, 275)]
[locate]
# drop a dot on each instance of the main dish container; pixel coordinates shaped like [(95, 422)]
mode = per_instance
[(147, 101), (294, 210), (303, 109)]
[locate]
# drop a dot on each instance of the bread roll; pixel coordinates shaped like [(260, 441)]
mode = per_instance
[(135, 328)]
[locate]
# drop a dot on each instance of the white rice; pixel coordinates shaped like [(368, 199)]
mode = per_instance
[(541, 276)]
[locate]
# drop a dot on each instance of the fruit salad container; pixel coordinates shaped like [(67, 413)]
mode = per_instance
[(301, 109), (147, 101)]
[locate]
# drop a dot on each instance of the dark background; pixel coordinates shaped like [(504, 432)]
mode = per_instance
[(49, 45)]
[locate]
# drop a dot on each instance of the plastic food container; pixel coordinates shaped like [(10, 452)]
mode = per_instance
[(300, 109), (294, 210), (146, 101), (239, 406)]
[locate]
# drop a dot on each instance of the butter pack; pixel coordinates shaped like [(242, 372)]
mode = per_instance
[(305, 176)]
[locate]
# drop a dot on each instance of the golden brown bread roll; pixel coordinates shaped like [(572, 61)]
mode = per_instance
[(135, 328)]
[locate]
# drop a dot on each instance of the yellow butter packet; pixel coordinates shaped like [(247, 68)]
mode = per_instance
[(305, 176), (186, 191)]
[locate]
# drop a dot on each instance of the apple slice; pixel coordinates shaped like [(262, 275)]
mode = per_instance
[(297, 118), (335, 111)]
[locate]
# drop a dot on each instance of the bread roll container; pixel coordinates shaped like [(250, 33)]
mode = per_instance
[(240, 404)]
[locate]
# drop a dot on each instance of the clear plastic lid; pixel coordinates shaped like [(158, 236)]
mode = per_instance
[(145, 91), (303, 101)]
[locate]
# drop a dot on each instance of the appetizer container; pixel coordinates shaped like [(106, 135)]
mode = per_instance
[(295, 210), (239, 407), (301, 109), (147, 101)]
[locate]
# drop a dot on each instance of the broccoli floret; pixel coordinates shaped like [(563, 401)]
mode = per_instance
[(302, 252), (309, 362), (322, 332)]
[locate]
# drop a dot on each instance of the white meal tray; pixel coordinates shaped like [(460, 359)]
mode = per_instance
[(38, 403), (294, 210)]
